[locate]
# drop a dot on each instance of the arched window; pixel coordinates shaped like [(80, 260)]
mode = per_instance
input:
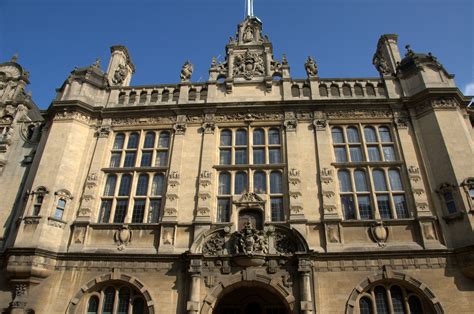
[(165, 96), (361, 181), (192, 94), (240, 185), (224, 183), (370, 90), (353, 135), (370, 136), (335, 91), (381, 300), (323, 90), (381, 89), (176, 95), (384, 133), (258, 137), (346, 90), (306, 91), (119, 140), (365, 306), (164, 140), (203, 94), (93, 305), (109, 189), (397, 299), (154, 96), (379, 180), (149, 140), (132, 98), (133, 141), (260, 182), (121, 98), (59, 212), (125, 185), (116, 299), (241, 137), (274, 137), (337, 136), (157, 185), (276, 182), (142, 185), (358, 90), (295, 91), (226, 138), (143, 97), (415, 305)]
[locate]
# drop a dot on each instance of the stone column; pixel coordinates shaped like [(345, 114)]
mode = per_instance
[(195, 268), (20, 298), (306, 296)]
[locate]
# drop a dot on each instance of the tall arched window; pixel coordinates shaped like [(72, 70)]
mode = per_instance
[(224, 183), (110, 185), (260, 182), (109, 300), (59, 212), (93, 305), (240, 185), (365, 306)]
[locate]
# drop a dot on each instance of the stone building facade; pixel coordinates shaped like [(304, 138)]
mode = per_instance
[(252, 192)]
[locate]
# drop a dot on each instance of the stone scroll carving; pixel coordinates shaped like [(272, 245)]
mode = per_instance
[(272, 240)]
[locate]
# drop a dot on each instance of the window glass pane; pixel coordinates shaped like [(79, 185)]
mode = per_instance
[(344, 181), (142, 185), (274, 137), (120, 211), (353, 135), (138, 306), (241, 156), (415, 305), (149, 140), (450, 204), (224, 184), (337, 136), (125, 184), (161, 159), (223, 210), (138, 211), (93, 306), (164, 140), (158, 184), (395, 180), (374, 153), (61, 203), (277, 209), (401, 206), (365, 209), (360, 181), (258, 156), (226, 138), (389, 153), (365, 306), (110, 185), (383, 204), (340, 154), (241, 137), (384, 133), (356, 153), (129, 159), (115, 160), (397, 300), (154, 211), (274, 155), (370, 136), (119, 140), (124, 300), (276, 182), (109, 297), (240, 183), (224, 158), (258, 137), (348, 207), (105, 208), (381, 300), (146, 159), (133, 140), (260, 182), (379, 180), (58, 213)]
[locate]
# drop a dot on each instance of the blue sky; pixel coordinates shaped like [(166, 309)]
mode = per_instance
[(53, 36)]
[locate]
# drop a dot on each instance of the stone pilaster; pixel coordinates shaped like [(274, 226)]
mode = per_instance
[(195, 269), (306, 300)]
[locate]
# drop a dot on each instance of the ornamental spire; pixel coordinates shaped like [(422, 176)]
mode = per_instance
[(250, 8)]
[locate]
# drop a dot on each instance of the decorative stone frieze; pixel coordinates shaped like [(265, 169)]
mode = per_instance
[(209, 127), (248, 117), (358, 114), (143, 121)]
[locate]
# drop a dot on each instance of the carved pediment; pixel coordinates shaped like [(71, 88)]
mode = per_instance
[(249, 199)]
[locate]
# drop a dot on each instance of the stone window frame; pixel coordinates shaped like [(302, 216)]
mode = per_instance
[(452, 189), (108, 205), (387, 277), (368, 167), (38, 196), (60, 195), (250, 168), (99, 294)]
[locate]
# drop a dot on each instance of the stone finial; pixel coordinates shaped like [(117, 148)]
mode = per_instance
[(187, 71), (96, 63), (311, 68), (14, 57)]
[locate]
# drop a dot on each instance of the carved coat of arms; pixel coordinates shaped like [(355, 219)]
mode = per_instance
[(250, 241), (249, 65)]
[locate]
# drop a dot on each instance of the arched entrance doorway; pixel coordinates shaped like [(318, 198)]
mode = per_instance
[(250, 298)]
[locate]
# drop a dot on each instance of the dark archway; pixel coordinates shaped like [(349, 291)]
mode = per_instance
[(250, 298)]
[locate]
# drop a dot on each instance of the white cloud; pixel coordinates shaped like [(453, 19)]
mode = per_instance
[(469, 89)]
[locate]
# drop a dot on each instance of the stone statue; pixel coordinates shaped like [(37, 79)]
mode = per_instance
[(186, 71), (120, 74), (381, 64), (311, 67), (248, 35)]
